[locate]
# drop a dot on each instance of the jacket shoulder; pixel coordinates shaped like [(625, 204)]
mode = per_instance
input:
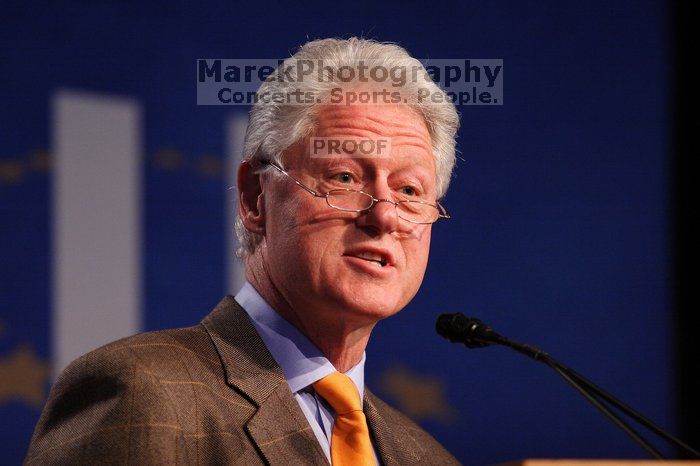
[(135, 399), (172, 352)]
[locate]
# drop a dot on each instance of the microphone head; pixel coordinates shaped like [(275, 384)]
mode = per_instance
[(459, 328)]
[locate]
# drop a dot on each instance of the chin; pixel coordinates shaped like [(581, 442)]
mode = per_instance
[(371, 303)]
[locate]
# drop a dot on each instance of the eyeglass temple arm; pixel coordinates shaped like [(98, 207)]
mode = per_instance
[(298, 183), (442, 212)]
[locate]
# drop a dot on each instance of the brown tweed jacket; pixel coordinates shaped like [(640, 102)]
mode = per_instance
[(209, 394)]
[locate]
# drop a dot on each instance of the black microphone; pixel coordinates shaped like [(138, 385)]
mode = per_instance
[(459, 328), (474, 333)]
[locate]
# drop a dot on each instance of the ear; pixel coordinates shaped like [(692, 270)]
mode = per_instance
[(250, 199)]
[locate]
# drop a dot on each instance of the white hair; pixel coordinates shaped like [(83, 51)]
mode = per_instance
[(274, 127)]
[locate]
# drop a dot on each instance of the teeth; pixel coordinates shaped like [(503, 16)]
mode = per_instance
[(372, 257)]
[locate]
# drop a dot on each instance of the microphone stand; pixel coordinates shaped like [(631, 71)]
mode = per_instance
[(564, 372), (625, 409), (475, 334)]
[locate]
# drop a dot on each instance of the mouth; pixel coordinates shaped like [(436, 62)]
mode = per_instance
[(378, 258)]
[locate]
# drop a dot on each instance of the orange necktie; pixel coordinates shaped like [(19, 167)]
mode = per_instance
[(350, 442)]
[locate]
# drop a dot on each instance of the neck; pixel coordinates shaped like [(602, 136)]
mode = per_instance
[(342, 341), (343, 348)]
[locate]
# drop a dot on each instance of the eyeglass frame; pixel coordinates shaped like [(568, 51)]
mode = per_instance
[(442, 213)]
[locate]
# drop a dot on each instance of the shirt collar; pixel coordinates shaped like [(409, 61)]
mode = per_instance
[(302, 363)]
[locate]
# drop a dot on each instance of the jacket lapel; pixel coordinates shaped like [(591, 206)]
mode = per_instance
[(394, 443), (278, 428)]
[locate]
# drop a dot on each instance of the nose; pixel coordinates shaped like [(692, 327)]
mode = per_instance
[(383, 216)]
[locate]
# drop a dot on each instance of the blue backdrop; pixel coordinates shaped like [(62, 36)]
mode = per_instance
[(559, 234)]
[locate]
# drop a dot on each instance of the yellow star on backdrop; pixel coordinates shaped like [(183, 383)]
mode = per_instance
[(420, 397), (23, 377), (210, 166)]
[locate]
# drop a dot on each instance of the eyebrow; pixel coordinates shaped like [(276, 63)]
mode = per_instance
[(326, 163)]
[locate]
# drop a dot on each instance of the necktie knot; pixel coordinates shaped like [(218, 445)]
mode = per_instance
[(340, 392)]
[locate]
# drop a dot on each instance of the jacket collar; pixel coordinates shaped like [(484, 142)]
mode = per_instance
[(278, 428), (394, 442)]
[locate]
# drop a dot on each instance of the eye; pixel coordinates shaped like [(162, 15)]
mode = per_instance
[(344, 177), (409, 191)]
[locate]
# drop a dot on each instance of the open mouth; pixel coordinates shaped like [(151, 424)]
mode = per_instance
[(378, 259)]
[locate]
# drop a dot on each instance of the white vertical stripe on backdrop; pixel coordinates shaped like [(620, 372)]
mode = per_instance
[(97, 224)]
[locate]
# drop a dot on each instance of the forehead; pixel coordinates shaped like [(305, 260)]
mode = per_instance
[(401, 126), (392, 120)]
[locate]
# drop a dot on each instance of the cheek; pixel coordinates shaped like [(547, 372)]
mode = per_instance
[(281, 238), (284, 213), (419, 249), (298, 240), (281, 213)]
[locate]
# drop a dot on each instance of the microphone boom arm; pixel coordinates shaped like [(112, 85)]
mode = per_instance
[(473, 333)]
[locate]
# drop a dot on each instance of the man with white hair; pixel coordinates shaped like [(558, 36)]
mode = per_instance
[(334, 238)]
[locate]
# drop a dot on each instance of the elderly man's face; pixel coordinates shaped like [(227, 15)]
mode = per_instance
[(322, 260)]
